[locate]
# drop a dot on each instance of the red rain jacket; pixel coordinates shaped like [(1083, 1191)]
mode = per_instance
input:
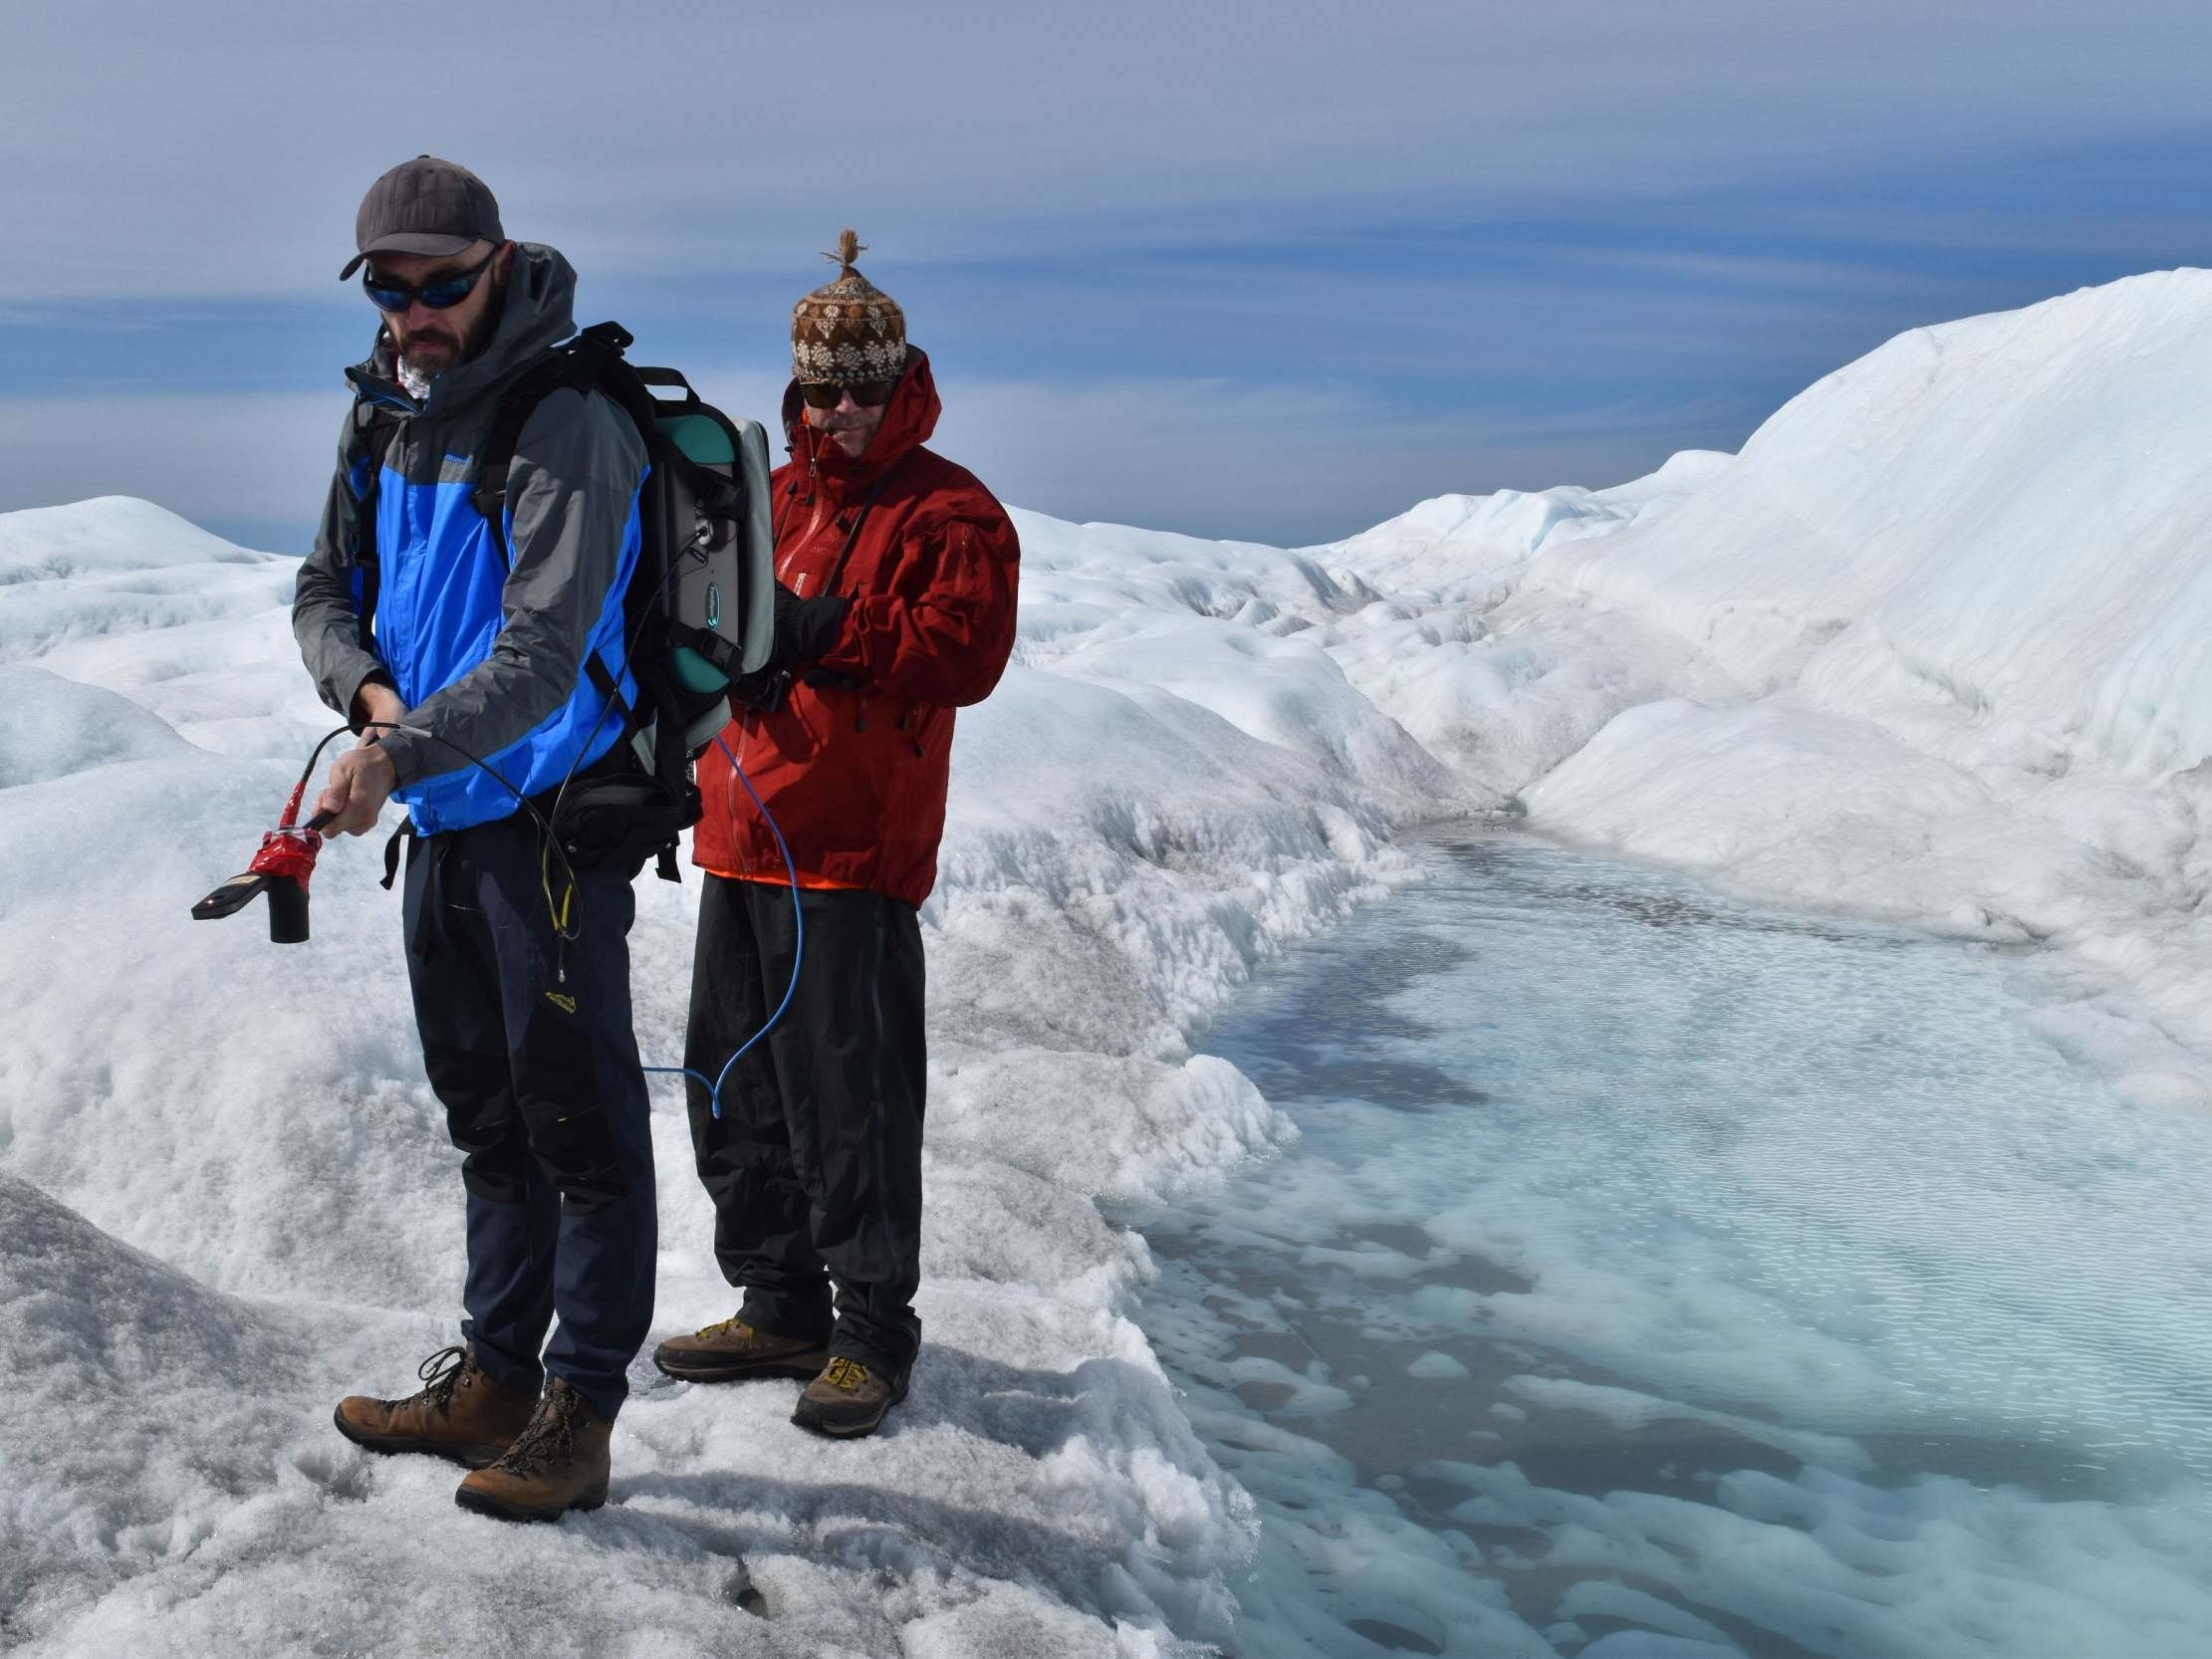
[(856, 774)]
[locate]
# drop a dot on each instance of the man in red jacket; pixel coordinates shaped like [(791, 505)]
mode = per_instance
[(895, 575)]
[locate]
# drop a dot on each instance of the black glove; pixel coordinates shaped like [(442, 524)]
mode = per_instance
[(805, 629), (763, 690)]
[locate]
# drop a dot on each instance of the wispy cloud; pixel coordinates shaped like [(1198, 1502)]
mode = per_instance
[(1267, 269), (221, 149)]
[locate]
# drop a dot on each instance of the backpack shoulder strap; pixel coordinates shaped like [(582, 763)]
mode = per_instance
[(578, 363), (593, 361)]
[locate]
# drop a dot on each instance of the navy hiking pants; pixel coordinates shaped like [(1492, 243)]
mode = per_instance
[(815, 1166), (528, 1043)]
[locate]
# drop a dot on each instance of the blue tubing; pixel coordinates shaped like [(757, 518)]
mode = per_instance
[(713, 1086)]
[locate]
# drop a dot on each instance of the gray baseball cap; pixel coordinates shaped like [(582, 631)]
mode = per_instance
[(424, 206)]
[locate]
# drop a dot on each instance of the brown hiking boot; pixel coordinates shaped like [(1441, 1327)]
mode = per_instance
[(557, 1463), (733, 1350), (848, 1400), (461, 1413)]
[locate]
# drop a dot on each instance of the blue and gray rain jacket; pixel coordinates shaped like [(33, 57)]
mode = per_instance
[(489, 658)]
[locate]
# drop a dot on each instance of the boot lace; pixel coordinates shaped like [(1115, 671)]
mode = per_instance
[(549, 1438), (439, 1373), (848, 1375), (734, 1325)]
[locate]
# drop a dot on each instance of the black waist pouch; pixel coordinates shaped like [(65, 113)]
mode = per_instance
[(621, 819)]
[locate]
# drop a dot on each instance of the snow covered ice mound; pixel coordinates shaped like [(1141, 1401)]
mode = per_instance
[(1968, 581), (169, 1484), (93, 1335), (230, 1199), (1930, 649)]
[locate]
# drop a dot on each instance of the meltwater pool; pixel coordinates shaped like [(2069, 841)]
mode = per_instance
[(1660, 1277)]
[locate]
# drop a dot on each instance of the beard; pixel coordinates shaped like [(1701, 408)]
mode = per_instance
[(430, 351)]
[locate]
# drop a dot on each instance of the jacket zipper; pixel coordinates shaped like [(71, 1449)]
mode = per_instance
[(737, 763)]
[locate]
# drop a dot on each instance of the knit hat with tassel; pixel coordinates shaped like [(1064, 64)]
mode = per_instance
[(848, 332)]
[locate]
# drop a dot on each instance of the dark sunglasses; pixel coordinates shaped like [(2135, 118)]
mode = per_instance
[(440, 293), (869, 394)]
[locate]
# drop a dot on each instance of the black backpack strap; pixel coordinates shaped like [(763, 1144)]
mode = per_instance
[(402, 837), (670, 765), (607, 685), (638, 391), (579, 363), (594, 361)]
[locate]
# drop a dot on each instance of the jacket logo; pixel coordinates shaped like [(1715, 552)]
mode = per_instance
[(714, 605), (566, 1005)]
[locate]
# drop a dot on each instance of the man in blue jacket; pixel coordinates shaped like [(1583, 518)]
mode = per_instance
[(470, 657)]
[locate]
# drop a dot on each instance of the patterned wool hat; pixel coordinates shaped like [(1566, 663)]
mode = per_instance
[(848, 332)]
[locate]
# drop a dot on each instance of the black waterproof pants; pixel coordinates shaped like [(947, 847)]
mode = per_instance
[(529, 1045), (815, 1166)]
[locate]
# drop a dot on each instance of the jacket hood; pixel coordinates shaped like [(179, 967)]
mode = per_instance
[(537, 312), (908, 420)]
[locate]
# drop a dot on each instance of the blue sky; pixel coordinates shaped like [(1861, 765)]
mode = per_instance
[(1268, 271)]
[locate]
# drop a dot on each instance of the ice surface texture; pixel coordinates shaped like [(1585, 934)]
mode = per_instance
[(1656, 1259), (1931, 647), (229, 1198)]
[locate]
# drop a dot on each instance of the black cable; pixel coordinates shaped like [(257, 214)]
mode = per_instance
[(522, 799), (546, 835), (308, 771)]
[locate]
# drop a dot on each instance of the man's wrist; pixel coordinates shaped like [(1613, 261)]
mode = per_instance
[(376, 698), (402, 751)]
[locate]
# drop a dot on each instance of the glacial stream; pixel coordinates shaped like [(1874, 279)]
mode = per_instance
[(1662, 1278)]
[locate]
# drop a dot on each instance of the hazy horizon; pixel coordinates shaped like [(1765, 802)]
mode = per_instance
[(1271, 272)]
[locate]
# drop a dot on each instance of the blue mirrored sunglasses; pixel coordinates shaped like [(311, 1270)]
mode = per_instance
[(439, 294)]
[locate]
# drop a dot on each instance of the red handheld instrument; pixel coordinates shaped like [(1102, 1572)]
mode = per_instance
[(281, 870)]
